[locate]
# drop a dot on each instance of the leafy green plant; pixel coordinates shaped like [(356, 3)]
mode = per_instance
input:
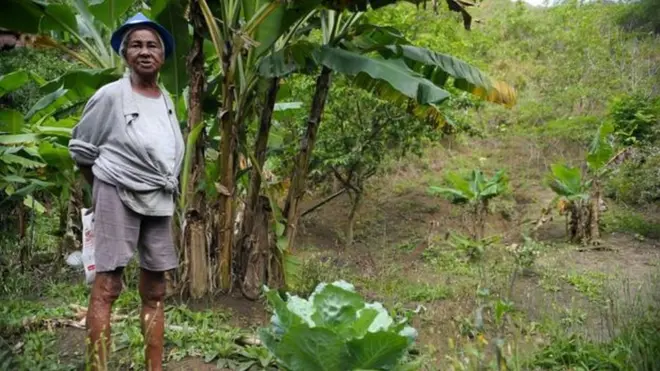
[(334, 330), (476, 191), (472, 248), (578, 194), (624, 219), (525, 254), (634, 117)]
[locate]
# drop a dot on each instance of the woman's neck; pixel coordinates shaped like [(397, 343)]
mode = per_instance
[(146, 86)]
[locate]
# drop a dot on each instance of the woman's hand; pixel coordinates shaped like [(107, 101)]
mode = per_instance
[(87, 174)]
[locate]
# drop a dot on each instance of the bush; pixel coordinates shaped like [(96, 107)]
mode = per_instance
[(635, 119), (627, 221), (637, 182), (46, 63), (643, 16)]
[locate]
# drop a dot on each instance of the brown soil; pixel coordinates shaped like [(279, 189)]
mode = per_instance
[(244, 313), (193, 364)]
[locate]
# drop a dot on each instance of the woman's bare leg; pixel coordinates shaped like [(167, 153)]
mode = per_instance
[(105, 290), (152, 292)]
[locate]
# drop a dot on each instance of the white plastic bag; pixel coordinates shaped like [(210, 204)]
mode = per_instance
[(88, 245), (75, 259)]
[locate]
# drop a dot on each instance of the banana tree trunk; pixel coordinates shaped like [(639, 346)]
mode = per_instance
[(297, 189), (253, 242), (195, 263), (226, 115), (256, 251)]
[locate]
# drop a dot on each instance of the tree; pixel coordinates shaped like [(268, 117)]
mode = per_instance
[(475, 191), (34, 158), (360, 133), (192, 202), (579, 195), (238, 57)]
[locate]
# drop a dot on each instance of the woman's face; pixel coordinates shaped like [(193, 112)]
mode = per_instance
[(144, 53)]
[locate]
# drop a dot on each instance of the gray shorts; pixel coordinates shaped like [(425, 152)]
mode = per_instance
[(119, 231)]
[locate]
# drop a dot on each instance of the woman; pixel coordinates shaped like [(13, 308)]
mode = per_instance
[(129, 147)]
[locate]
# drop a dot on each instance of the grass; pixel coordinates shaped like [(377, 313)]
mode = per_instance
[(189, 333), (590, 284), (625, 220)]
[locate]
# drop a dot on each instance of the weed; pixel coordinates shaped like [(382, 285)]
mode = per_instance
[(636, 348), (572, 317), (72, 293), (473, 249), (408, 245), (38, 353), (525, 254), (314, 270), (620, 219), (17, 315), (427, 293), (590, 284)]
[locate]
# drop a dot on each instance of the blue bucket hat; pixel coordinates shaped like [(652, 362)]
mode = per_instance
[(141, 20)]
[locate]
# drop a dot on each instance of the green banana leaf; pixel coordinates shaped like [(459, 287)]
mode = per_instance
[(21, 16), (382, 75), (12, 81), (11, 121), (171, 14), (601, 148), (566, 181), (109, 12)]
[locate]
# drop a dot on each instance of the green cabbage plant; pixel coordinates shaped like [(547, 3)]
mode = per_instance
[(334, 330)]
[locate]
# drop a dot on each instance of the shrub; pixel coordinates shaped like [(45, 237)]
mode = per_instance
[(627, 221), (637, 182), (48, 64), (635, 117)]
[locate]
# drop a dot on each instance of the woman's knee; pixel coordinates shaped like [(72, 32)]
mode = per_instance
[(152, 286), (107, 286)]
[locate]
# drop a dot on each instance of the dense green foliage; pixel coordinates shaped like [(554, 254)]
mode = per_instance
[(46, 63)]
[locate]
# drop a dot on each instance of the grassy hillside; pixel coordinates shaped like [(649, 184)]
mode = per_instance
[(574, 67)]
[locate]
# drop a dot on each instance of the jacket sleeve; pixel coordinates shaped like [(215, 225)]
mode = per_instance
[(92, 130)]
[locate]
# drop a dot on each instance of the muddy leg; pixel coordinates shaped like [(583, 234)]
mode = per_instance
[(152, 292), (105, 290)]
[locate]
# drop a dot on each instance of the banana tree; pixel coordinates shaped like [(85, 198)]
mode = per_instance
[(475, 191), (257, 39), (241, 32), (34, 158), (579, 194)]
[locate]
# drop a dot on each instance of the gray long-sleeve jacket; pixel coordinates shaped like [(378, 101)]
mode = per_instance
[(106, 140)]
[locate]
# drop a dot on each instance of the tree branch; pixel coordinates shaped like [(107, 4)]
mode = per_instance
[(345, 182), (323, 202)]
